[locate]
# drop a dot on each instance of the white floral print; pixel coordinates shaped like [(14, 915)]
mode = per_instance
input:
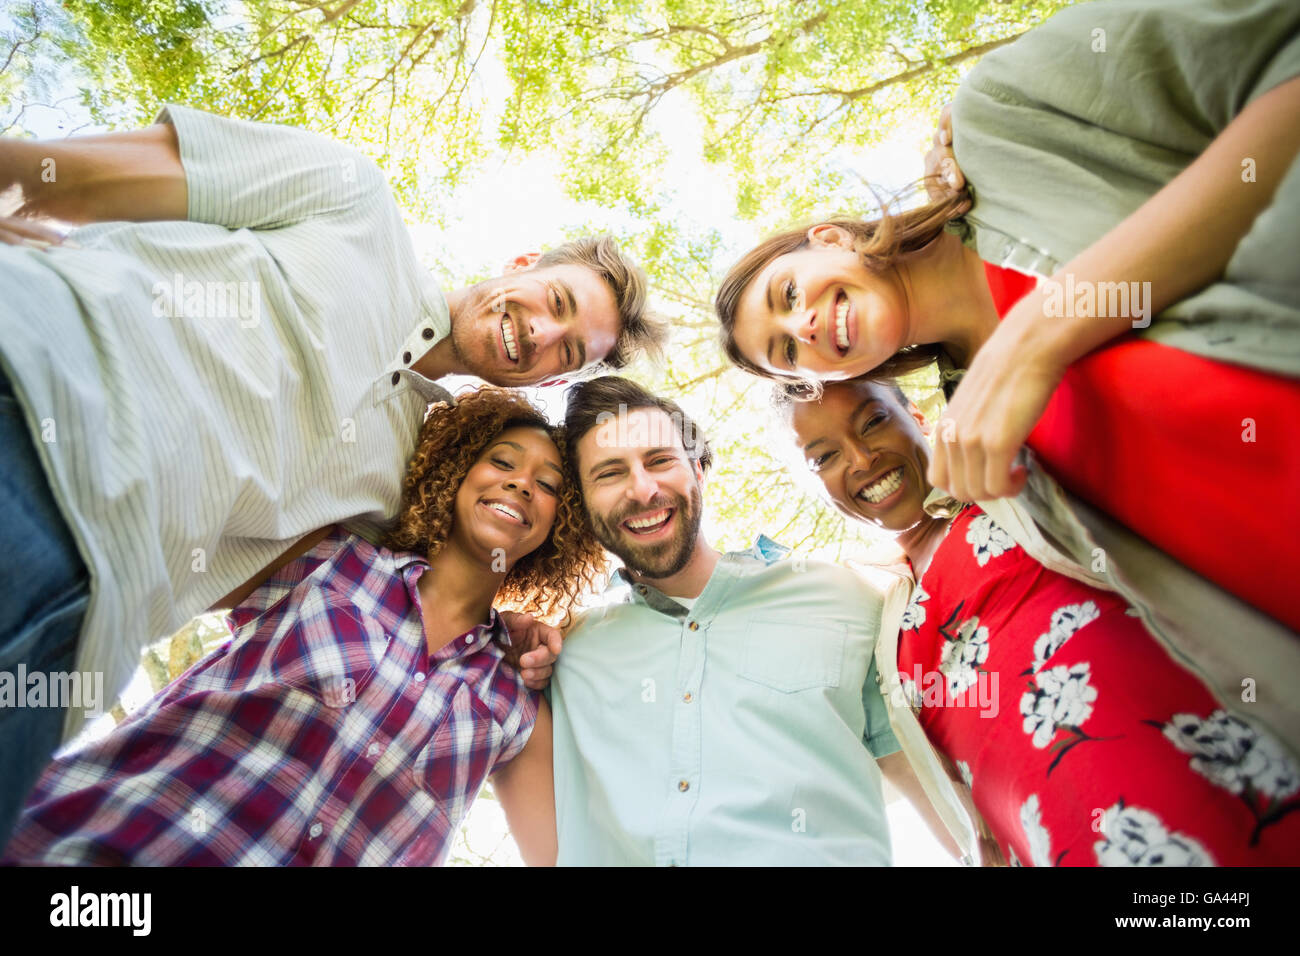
[(1040, 841), (1137, 837), (914, 616), (963, 654), (989, 540), (1061, 699), (1234, 755), (911, 693), (1066, 621)]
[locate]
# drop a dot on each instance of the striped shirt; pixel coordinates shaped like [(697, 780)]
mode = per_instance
[(324, 734), (204, 393)]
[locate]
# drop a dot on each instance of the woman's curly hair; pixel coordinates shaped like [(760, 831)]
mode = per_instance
[(545, 583)]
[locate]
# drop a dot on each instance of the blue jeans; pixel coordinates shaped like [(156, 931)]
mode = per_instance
[(44, 590)]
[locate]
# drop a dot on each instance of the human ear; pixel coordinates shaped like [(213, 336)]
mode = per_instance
[(519, 263), (828, 235)]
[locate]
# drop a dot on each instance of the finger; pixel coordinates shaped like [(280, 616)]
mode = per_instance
[(973, 455), (554, 640), (943, 134), (31, 229), (938, 471), (998, 468), (536, 678), (951, 173), (1019, 478), (540, 656)]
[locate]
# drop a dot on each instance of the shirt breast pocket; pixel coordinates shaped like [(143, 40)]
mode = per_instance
[(460, 753), (331, 652), (790, 656)]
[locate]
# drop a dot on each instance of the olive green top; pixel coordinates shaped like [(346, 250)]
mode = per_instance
[(1067, 131)]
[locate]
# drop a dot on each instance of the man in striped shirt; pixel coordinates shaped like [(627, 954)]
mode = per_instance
[(236, 352)]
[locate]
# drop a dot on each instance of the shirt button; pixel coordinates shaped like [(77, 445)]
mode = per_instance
[(374, 750), (316, 830), (469, 638), (683, 786), (396, 377), (687, 698), (419, 678), (406, 358), (641, 589), (427, 333), (694, 625)]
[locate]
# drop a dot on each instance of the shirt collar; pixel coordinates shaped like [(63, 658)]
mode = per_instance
[(764, 550), (406, 564)]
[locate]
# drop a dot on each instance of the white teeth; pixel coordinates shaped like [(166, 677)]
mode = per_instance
[(508, 334), (842, 324), (659, 517), (883, 487), (506, 510)]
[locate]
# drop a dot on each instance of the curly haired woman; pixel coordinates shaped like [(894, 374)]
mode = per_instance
[(368, 692)]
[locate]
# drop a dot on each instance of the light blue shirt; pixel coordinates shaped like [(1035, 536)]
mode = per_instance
[(742, 731)]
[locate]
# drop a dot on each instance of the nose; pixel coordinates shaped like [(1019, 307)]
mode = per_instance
[(643, 487), (521, 484), (803, 326), (861, 459), (544, 332)]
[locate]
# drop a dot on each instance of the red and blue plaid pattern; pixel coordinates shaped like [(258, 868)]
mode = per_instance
[(323, 734)]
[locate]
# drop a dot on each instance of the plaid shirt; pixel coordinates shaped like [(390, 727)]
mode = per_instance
[(323, 734)]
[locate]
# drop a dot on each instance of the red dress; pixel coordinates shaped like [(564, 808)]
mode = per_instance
[(1152, 435), (1084, 743)]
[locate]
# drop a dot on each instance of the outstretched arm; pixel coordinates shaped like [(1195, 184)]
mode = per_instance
[(526, 788), (1179, 241)]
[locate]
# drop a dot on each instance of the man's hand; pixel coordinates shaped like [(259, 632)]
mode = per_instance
[(541, 644), (943, 177), (16, 231)]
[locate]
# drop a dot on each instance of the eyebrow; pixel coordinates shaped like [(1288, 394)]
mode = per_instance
[(520, 448)]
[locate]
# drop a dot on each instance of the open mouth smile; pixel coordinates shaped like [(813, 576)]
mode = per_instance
[(506, 511), (883, 488), (509, 340), (649, 524), (844, 328)]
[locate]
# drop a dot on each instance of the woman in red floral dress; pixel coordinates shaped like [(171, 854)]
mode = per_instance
[(1081, 739)]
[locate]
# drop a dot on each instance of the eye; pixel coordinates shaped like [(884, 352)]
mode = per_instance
[(790, 293), (790, 353), (568, 355), (558, 302), (549, 488), (820, 462), (873, 421), (502, 464), (663, 460)]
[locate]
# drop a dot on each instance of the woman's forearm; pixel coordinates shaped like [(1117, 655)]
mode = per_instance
[(135, 176), (1176, 243)]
